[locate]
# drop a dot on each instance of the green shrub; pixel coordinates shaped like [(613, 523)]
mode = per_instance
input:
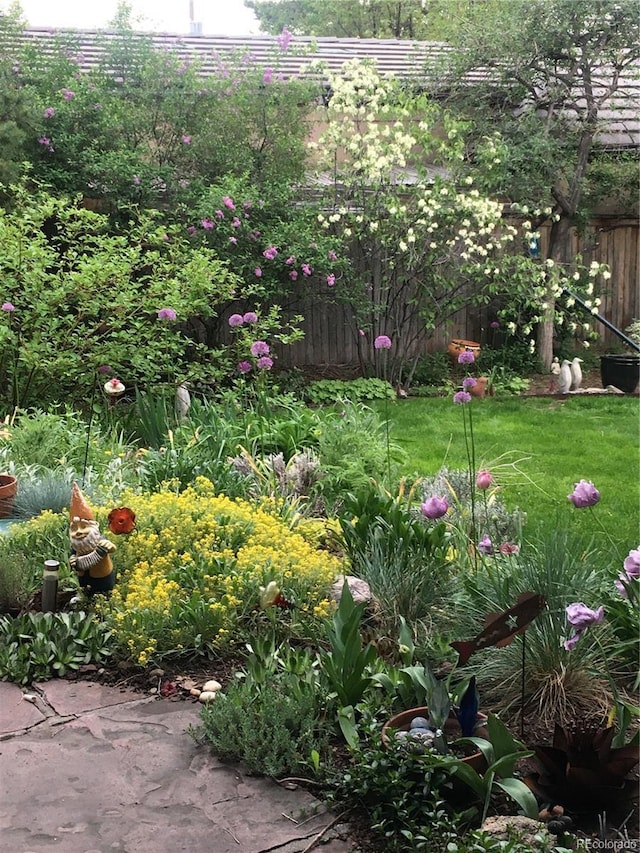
[(325, 392), (433, 369)]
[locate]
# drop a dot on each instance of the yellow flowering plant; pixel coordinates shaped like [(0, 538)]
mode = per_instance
[(189, 576)]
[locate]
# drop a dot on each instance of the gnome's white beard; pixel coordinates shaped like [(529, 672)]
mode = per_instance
[(86, 544)]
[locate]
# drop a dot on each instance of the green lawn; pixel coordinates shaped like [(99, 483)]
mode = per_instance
[(558, 442)]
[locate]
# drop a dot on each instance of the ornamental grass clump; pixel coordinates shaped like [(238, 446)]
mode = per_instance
[(189, 577)]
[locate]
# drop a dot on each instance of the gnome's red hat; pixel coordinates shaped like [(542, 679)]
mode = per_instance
[(79, 507)]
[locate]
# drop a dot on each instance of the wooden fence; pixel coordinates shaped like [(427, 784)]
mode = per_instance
[(332, 340)]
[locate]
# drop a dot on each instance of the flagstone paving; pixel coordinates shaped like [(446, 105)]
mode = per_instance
[(90, 768)]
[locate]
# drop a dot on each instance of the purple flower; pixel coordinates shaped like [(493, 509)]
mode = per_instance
[(233, 240), (468, 382), (495, 324), (245, 367), (485, 545), (581, 616), (461, 397), (290, 260), (306, 269), (105, 368), (219, 214), (8, 307), (191, 230), (267, 77), (284, 39), (167, 314), (235, 320), (331, 279), (584, 494), (259, 348), (293, 275), (68, 95), (434, 507), (466, 357), (264, 362), (44, 140), (361, 332), (257, 272), (136, 180), (332, 255), (382, 342), (207, 224), (228, 202), (631, 563), (270, 253), (186, 140), (483, 480), (250, 317), (49, 112), (509, 548)]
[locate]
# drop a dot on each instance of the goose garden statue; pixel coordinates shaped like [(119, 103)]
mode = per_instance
[(564, 379), (576, 374)]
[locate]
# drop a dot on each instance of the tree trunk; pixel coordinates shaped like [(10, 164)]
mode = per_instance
[(560, 253)]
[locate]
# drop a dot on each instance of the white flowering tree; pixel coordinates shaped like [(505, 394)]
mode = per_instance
[(422, 247)]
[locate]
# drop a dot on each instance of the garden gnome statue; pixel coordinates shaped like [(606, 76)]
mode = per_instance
[(576, 374), (564, 379), (89, 551)]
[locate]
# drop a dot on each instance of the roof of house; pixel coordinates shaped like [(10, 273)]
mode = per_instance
[(405, 59)]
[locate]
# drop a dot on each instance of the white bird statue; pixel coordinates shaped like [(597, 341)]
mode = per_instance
[(183, 401), (564, 379), (576, 374)]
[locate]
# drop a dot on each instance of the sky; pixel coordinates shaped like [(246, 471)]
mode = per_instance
[(218, 17)]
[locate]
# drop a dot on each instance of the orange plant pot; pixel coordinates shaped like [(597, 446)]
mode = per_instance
[(8, 491), (459, 345)]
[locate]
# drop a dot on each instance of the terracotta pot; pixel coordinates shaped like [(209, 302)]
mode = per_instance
[(452, 731), (459, 345), (481, 387), (8, 491)]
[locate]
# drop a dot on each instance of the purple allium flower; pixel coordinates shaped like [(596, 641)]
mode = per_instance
[(8, 307), (207, 224), (485, 545), (250, 317), (584, 494), (284, 39), (186, 140), (466, 357), (631, 563), (468, 382), (264, 363), (290, 260), (434, 507), (495, 324), (257, 272), (105, 368), (306, 269), (233, 240), (228, 202), (235, 222), (332, 255), (293, 275), (167, 314), (270, 253), (382, 342), (49, 112), (219, 214), (461, 397), (245, 367), (267, 77), (235, 320), (191, 230), (44, 140), (331, 279), (68, 95), (259, 348), (136, 180), (581, 616), (483, 480), (509, 548)]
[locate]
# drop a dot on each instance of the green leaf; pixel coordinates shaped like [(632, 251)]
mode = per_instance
[(519, 792), (347, 723)]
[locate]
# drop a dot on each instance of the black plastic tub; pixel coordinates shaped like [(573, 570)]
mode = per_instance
[(622, 371)]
